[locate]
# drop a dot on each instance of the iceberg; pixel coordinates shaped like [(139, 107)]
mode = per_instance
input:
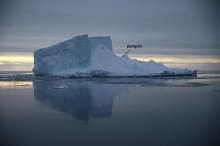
[(84, 56)]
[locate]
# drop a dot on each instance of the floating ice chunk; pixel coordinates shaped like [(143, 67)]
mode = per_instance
[(61, 87), (22, 85)]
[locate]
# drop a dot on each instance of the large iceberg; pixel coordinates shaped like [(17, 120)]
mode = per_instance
[(82, 56)]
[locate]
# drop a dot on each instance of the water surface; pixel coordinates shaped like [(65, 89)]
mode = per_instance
[(110, 111)]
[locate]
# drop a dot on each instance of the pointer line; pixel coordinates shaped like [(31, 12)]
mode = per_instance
[(126, 53)]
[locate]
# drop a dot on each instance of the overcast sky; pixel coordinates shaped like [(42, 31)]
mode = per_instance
[(189, 27), (177, 30)]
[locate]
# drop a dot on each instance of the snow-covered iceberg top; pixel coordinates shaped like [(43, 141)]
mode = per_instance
[(82, 56)]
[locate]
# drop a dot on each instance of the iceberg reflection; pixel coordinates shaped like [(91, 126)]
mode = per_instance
[(81, 101)]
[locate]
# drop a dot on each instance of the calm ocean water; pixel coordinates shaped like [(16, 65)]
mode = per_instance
[(109, 111)]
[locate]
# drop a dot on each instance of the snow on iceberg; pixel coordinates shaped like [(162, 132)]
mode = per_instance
[(82, 56)]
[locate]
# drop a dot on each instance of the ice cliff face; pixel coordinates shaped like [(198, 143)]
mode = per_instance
[(106, 41), (82, 56), (73, 53)]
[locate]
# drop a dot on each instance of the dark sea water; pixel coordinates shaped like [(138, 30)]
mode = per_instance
[(170, 111)]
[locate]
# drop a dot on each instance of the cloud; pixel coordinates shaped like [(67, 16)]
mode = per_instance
[(16, 66), (171, 27), (174, 24)]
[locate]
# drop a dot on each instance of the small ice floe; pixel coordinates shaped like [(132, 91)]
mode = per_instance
[(22, 85), (61, 87)]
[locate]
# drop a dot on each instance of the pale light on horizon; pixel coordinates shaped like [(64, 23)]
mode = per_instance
[(25, 61)]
